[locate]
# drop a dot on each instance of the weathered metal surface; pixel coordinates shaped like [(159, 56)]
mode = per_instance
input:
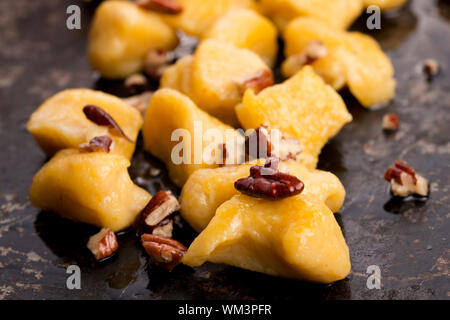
[(409, 241)]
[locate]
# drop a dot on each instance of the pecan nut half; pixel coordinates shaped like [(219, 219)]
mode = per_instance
[(164, 251), (405, 181), (100, 117), (102, 143), (163, 6), (257, 81), (161, 206), (268, 182), (103, 244)]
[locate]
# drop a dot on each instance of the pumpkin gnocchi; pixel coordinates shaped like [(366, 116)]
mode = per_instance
[(354, 59), (297, 237), (207, 189), (213, 77), (59, 122), (121, 35), (198, 15), (92, 188), (338, 14), (171, 117), (247, 29), (302, 107)]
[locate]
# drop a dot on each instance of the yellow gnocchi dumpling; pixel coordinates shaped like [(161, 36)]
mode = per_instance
[(183, 136), (302, 107), (353, 59), (198, 15), (60, 123), (247, 29), (297, 237), (207, 189), (214, 77), (89, 187), (121, 35), (385, 4), (338, 14)]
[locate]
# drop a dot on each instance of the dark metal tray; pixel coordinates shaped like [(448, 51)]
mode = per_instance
[(409, 241)]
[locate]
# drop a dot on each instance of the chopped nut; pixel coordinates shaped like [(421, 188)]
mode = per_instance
[(431, 67), (103, 244), (268, 182), (289, 148), (163, 6), (258, 81), (156, 61), (102, 143), (100, 117), (136, 83), (391, 122), (162, 205), (263, 143), (405, 181), (258, 144), (313, 51), (154, 172), (140, 101), (164, 251), (164, 228)]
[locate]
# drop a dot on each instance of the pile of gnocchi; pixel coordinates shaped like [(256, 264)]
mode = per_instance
[(269, 211)]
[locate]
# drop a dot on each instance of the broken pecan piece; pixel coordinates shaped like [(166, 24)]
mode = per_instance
[(313, 51), (391, 122), (431, 68), (100, 117), (164, 228), (405, 181), (140, 101), (269, 182), (289, 149), (103, 244), (155, 63), (265, 143), (394, 171), (102, 143), (136, 83), (163, 6), (258, 144), (258, 81), (162, 205), (164, 251)]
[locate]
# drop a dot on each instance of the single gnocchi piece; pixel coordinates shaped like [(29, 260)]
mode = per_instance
[(247, 29), (60, 123), (183, 136), (199, 15), (122, 34), (89, 187), (215, 78), (297, 237), (353, 59), (338, 14), (385, 4), (302, 107), (207, 189)]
